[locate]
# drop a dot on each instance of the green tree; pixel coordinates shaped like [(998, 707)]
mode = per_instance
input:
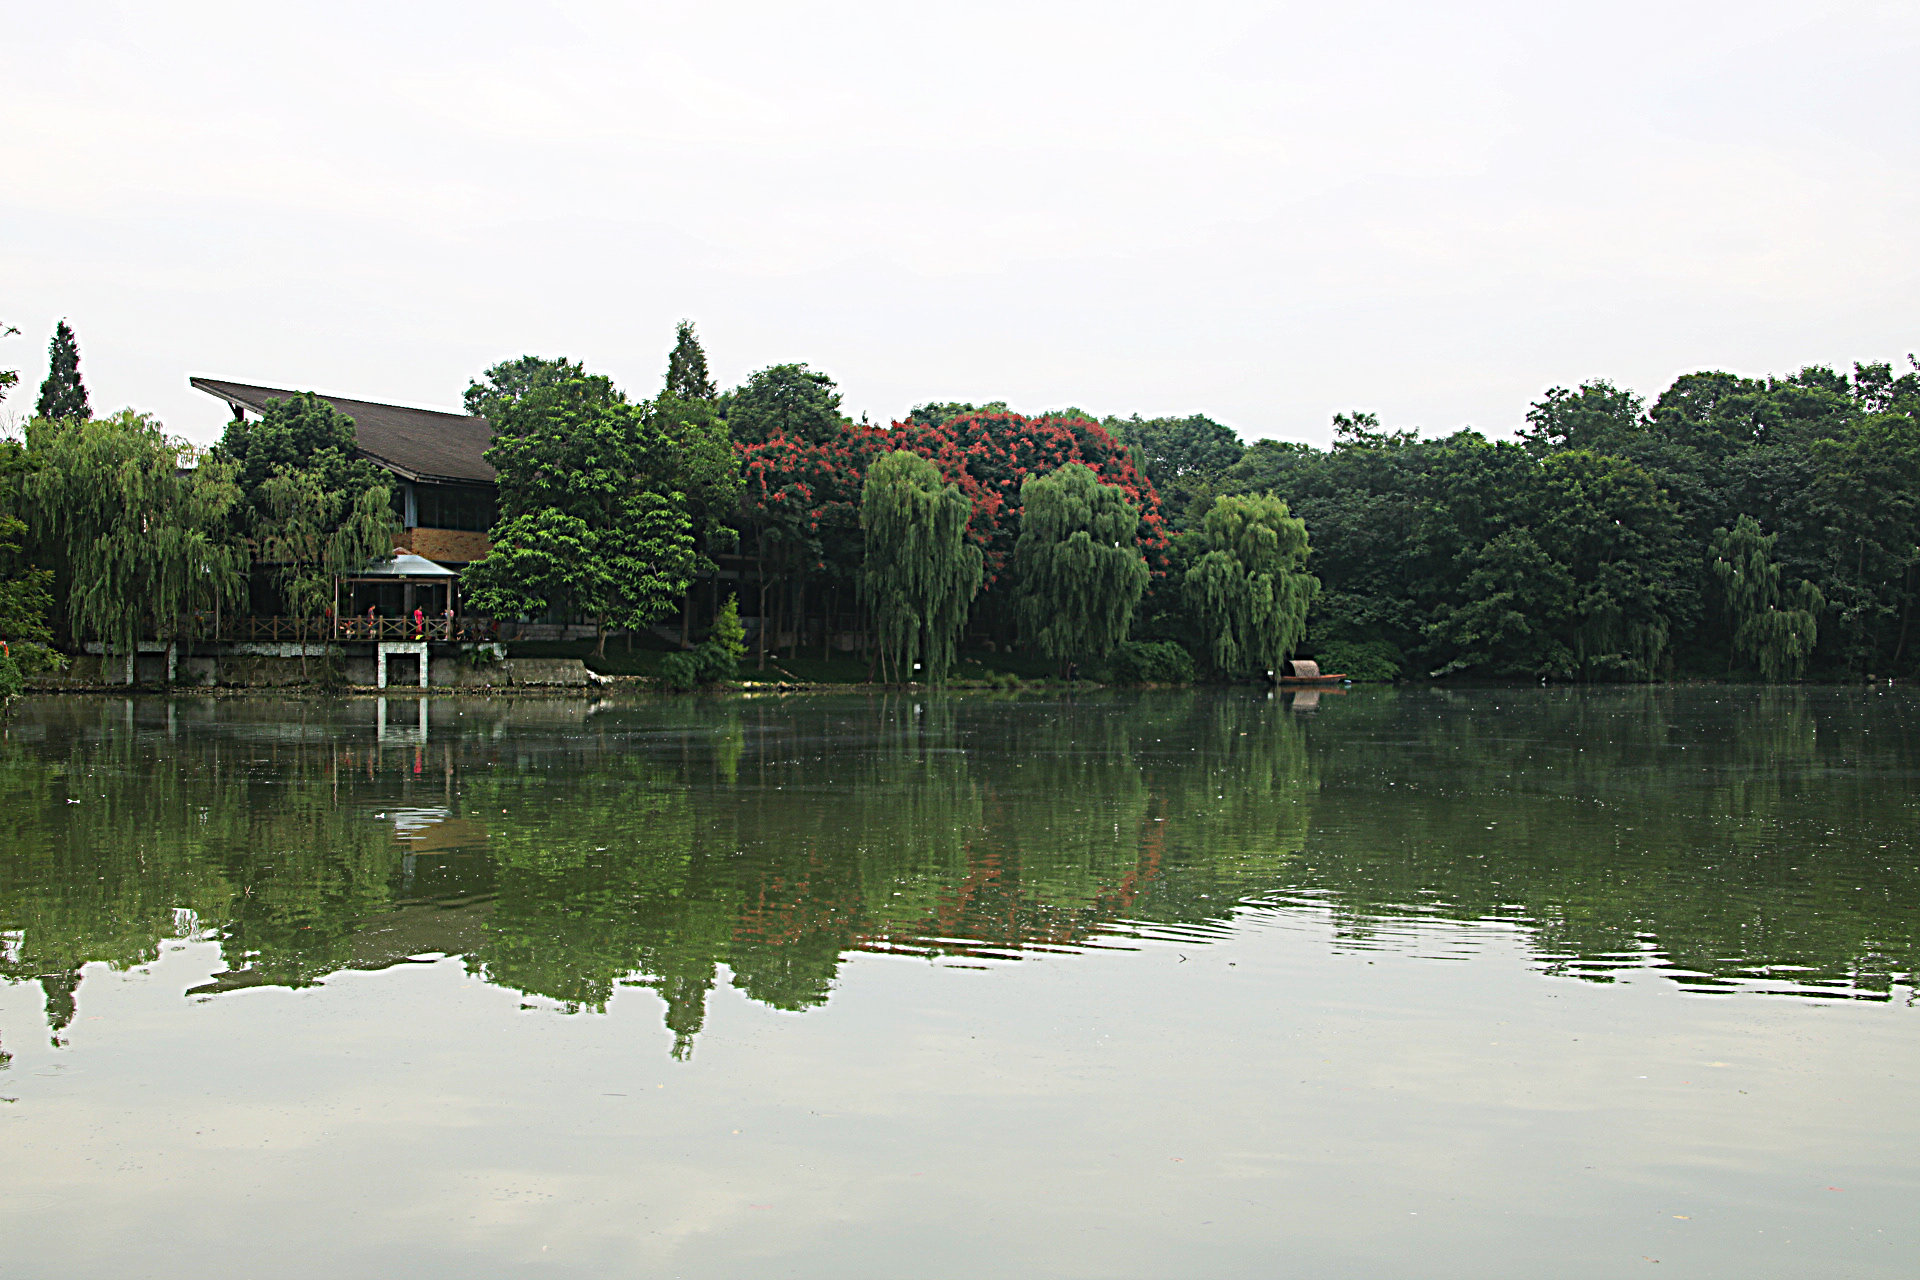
[(1250, 591), (147, 540), (1508, 618), (26, 596), (1775, 626), (9, 378), (1599, 417), (687, 377), (1184, 457), (25, 601), (1077, 571), (920, 574), (63, 395), (1617, 533), (313, 536), (785, 399), (937, 413), (311, 507), (594, 514)]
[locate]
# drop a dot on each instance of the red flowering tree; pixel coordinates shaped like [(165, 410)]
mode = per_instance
[(800, 498), (990, 455)]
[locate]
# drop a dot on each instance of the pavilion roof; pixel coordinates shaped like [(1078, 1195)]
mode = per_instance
[(404, 565)]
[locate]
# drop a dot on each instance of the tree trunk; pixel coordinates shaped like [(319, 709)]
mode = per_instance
[(760, 572), (599, 635), (799, 619)]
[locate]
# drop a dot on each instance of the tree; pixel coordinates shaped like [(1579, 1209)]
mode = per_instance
[(1077, 571), (1599, 417), (784, 399), (63, 395), (313, 536), (687, 366), (920, 574), (1184, 457), (147, 540), (1250, 591), (9, 378), (937, 413), (593, 508), (1608, 522), (25, 598), (1777, 627), (310, 506)]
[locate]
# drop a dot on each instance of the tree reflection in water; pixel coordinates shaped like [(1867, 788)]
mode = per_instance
[(567, 850)]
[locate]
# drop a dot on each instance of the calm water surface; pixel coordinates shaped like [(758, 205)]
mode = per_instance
[(1170, 985)]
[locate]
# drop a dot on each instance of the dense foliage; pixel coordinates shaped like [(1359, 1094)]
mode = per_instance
[(144, 540), (310, 508), (595, 518), (1608, 541)]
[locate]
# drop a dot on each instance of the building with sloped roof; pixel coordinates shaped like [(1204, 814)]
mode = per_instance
[(446, 491)]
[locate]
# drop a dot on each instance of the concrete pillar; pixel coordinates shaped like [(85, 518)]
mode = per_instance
[(387, 648)]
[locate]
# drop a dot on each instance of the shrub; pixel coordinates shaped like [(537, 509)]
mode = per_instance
[(1375, 660), (11, 680), (680, 671), (713, 660), (1151, 662), (33, 658)]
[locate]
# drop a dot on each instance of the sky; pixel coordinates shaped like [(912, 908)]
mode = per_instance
[(1267, 213)]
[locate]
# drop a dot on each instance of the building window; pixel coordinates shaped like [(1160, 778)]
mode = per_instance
[(446, 506)]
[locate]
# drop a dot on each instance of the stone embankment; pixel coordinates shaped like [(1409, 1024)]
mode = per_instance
[(91, 672)]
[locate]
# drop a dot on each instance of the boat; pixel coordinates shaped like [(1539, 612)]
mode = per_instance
[(1305, 673)]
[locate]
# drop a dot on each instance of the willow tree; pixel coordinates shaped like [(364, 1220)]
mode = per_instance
[(920, 573), (145, 536), (1776, 626), (1077, 571), (1250, 591)]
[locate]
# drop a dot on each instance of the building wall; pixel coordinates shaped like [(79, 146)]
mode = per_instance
[(446, 546)]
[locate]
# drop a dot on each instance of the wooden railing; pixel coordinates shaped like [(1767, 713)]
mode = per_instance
[(330, 631)]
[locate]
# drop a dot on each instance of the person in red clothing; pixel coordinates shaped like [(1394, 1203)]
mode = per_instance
[(419, 624)]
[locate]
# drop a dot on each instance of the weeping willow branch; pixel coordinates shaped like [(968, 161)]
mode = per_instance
[(1251, 590), (920, 574), (1077, 568), (145, 537)]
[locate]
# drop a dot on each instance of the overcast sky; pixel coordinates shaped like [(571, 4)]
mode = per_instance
[(1263, 212)]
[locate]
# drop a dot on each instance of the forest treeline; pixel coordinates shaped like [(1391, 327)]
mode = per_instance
[(1734, 527)]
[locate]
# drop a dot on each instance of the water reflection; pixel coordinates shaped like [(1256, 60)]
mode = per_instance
[(569, 849)]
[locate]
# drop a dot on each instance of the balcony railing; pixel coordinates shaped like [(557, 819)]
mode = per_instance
[(325, 630)]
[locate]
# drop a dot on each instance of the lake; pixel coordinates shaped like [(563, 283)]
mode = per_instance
[(1386, 983)]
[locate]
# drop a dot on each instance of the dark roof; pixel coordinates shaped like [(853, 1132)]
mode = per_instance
[(415, 444)]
